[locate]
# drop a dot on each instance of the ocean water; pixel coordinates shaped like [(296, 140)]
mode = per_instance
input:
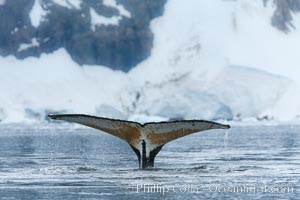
[(60, 161)]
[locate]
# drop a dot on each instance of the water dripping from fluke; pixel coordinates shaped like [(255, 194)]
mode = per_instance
[(226, 139), (226, 151)]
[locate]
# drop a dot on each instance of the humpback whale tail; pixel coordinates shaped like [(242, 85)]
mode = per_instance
[(147, 139)]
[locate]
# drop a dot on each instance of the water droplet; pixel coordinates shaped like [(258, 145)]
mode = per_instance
[(226, 138)]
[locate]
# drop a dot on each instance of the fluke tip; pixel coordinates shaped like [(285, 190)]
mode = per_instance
[(52, 116)]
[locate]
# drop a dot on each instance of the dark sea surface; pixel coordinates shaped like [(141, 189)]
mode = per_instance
[(60, 161)]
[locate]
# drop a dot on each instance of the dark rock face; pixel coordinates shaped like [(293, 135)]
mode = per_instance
[(119, 47), (13, 16), (282, 18)]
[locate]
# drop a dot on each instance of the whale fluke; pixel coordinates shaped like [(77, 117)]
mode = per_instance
[(147, 139)]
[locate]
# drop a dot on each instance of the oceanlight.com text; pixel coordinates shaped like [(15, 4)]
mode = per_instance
[(212, 188)]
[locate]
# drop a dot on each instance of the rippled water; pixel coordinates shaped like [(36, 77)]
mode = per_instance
[(62, 162)]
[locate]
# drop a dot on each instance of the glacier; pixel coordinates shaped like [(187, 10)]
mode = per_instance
[(229, 64)]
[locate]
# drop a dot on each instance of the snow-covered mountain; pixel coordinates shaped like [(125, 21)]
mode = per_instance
[(114, 33), (208, 59)]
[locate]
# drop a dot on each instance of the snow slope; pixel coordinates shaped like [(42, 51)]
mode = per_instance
[(208, 44), (55, 83), (37, 14), (226, 64)]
